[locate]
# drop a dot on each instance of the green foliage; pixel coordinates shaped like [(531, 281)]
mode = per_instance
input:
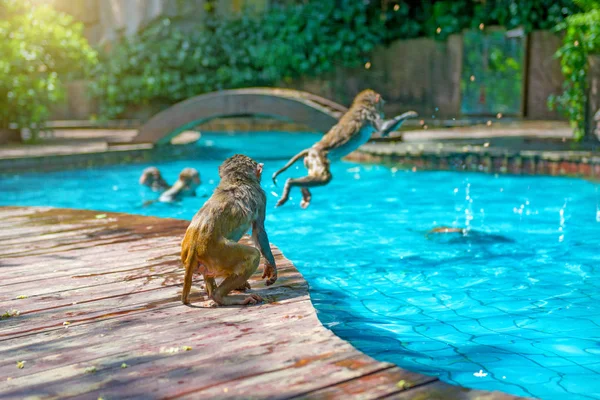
[(448, 17), (582, 38), (165, 64), (39, 47)]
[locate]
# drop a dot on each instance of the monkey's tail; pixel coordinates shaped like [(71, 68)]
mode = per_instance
[(189, 260), (408, 114), (289, 164)]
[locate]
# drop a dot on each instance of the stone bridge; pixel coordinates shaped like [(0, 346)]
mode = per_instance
[(290, 105)]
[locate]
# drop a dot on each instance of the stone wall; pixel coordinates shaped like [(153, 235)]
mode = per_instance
[(420, 74), (544, 76)]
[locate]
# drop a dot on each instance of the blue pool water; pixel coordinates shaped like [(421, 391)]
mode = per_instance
[(517, 299)]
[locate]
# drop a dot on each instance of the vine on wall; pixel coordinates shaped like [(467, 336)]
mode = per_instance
[(582, 38)]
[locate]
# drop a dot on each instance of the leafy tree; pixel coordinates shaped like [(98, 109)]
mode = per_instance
[(39, 47)]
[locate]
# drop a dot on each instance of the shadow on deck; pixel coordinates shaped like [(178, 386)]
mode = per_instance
[(99, 315)]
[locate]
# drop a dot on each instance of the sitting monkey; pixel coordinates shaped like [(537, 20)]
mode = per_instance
[(211, 240), (152, 178), (189, 180), (355, 128)]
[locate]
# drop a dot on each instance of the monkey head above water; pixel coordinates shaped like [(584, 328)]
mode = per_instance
[(186, 185), (211, 240), (355, 128), (152, 178)]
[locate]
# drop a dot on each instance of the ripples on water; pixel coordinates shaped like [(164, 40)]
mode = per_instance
[(517, 298)]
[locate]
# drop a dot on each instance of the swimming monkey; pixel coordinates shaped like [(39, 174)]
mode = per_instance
[(211, 240), (189, 180), (152, 178), (363, 119)]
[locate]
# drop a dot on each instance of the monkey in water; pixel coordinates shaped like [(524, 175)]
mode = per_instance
[(189, 180), (152, 178), (211, 241), (354, 129), (465, 235)]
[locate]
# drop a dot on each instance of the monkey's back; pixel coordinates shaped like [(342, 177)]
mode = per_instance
[(354, 129), (225, 216)]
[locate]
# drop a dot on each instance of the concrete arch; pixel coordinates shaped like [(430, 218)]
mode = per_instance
[(285, 104)]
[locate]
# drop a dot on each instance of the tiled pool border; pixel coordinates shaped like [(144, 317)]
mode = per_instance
[(112, 156), (481, 159), (473, 158)]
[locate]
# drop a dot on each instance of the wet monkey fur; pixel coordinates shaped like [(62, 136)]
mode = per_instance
[(211, 240), (152, 178), (186, 185), (355, 128)]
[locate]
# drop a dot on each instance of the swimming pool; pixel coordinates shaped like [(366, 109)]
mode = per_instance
[(513, 306)]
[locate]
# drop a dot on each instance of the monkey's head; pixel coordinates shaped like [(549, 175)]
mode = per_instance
[(150, 176), (370, 99), (190, 177), (241, 167)]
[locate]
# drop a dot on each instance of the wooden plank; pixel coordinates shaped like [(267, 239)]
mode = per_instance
[(135, 300), (442, 391), (135, 351), (118, 286), (372, 386)]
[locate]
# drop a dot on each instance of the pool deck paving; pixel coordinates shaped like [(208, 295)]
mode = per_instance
[(91, 309)]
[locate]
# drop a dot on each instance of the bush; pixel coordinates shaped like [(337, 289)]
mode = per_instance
[(582, 37), (39, 48)]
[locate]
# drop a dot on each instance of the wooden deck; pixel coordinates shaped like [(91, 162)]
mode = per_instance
[(99, 316)]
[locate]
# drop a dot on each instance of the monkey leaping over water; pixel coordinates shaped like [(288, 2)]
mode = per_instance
[(354, 129)]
